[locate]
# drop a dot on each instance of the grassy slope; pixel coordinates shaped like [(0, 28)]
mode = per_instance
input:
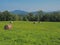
[(27, 33)]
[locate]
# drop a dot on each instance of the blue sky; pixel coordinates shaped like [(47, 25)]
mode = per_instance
[(30, 5)]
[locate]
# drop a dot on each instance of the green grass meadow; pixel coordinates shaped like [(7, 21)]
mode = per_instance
[(27, 33)]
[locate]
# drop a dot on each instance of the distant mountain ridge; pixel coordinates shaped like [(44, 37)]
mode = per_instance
[(25, 12), (19, 12)]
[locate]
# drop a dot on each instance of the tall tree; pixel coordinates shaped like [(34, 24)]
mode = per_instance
[(40, 14)]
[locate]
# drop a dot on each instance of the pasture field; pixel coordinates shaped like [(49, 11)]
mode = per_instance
[(27, 33)]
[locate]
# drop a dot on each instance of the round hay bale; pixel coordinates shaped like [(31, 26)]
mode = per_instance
[(7, 27)]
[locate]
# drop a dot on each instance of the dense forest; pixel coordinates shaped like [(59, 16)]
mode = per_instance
[(39, 16)]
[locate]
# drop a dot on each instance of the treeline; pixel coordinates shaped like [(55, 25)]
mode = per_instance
[(39, 16), (7, 16)]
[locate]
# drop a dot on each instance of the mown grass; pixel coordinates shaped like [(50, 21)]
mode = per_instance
[(27, 33)]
